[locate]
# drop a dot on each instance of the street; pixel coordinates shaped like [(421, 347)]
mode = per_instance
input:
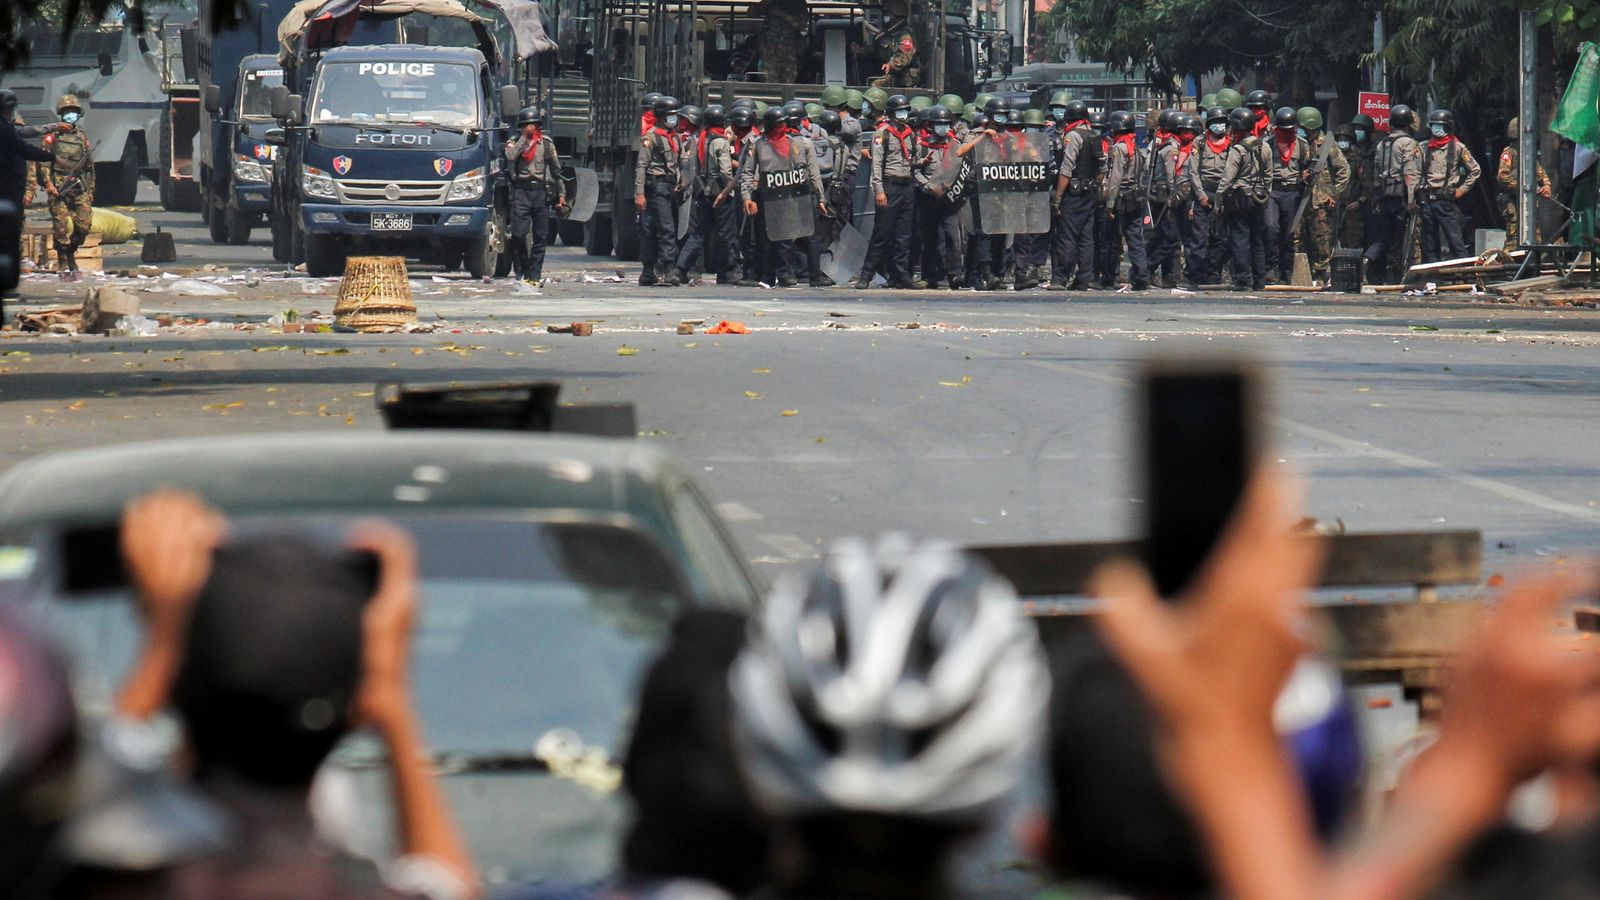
[(999, 418)]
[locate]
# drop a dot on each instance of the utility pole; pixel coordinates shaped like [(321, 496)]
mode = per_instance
[(1380, 74), (1527, 123)]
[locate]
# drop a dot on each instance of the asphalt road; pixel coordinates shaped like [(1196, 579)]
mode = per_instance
[(1001, 417)]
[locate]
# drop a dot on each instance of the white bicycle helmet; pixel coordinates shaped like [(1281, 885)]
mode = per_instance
[(900, 679)]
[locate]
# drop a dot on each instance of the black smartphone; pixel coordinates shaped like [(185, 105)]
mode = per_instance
[(1200, 434)]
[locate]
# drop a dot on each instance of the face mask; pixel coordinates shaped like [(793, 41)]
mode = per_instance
[(941, 130), (1058, 113), (1361, 134), (1437, 129), (1343, 145), (1218, 128), (900, 115), (71, 118), (866, 109), (1000, 119), (672, 120), (1300, 132)]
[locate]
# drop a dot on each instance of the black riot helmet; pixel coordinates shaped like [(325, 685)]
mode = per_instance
[(745, 102), (8, 104), (742, 116), (716, 116), (1167, 120), (1401, 117), (1121, 122), (896, 101), (1258, 100), (772, 118), (1186, 122), (530, 115), (1216, 114), (1097, 120), (830, 121), (649, 101), (936, 115), (1284, 118), (692, 114), (1077, 111), (1443, 117), (1242, 119), (996, 105), (794, 112), (666, 106)]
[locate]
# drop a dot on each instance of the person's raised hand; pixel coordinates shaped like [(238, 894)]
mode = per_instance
[(386, 622), (167, 540)]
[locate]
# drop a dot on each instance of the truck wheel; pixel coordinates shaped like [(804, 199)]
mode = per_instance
[(116, 184), (297, 241), (572, 233), (218, 225), (325, 256), (597, 235), (238, 225), (483, 251), (280, 241)]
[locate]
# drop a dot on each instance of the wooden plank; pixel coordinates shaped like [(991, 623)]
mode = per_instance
[(1354, 560), (1379, 635)]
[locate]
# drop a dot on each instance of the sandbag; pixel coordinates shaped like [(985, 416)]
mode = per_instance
[(114, 227)]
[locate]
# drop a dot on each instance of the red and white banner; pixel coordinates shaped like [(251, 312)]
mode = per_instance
[(1376, 106)]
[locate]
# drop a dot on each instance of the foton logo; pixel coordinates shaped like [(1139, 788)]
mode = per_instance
[(442, 166), (341, 164)]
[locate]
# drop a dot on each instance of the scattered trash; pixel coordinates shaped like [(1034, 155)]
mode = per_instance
[(686, 328), (134, 326), (197, 288), (576, 329), (728, 327), (625, 350)]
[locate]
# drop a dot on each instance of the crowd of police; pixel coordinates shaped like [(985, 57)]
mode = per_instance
[(996, 194)]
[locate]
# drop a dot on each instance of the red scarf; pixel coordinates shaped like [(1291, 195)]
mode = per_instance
[(672, 138), (1128, 140), (1185, 147), (1285, 150), (1219, 147), (647, 121), (1261, 124), (1081, 123), (1440, 143), (929, 139), (713, 131), (533, 144), (901, 135), (1105, 145), (780, 141)]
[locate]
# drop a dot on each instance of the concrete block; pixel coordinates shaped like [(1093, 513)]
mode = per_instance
[(105, 305), (1301, 276)]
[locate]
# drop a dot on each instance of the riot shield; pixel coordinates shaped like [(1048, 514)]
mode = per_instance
[(585, 195), (845, 257), (1038, 181), (1012, 166), (944, 174), (784, 192)]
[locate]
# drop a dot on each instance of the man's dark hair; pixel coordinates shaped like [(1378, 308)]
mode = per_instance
[(694, 815), (273, 660), (1115, 819)]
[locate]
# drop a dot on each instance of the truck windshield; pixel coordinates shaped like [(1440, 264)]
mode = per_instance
[(254, 90), (425, 93)]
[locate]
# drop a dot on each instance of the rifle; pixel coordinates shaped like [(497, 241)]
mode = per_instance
[(1405, 250), (1316, 169)]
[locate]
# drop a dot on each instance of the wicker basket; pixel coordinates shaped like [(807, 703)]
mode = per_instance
[(375, 295)]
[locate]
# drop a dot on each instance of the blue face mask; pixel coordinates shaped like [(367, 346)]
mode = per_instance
[(1301, 132), (1361, 134), (999, 118), (1057, 113), (1219, 128), (941, 130), (71, 118), (672, 120), (866, 109), (900, 115), (1343, 145), (1437, 129)]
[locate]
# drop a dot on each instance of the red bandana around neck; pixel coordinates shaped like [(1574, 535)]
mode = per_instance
[(901, 134), (1285, 147), (708, 134), (672, 137), (1440, 143), (779, 141), (533, 141), (1128, 140), (1219, 147), (1185, 147), (647, 121)]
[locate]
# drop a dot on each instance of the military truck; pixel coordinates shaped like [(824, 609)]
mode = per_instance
[(393, 146), (708, 51), (115, 69), (178, 144), (239, 175)]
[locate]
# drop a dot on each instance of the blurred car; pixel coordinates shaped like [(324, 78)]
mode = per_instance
[(552, 567)]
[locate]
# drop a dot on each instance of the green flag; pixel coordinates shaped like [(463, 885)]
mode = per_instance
[(1578, 117)]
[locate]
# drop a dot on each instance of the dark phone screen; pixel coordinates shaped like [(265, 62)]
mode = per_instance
[(1198, 454)]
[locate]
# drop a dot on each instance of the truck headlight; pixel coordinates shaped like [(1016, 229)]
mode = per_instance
[(246, 168), (466, 186), (316, 183)]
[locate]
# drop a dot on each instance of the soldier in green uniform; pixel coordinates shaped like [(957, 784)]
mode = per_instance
[(1329, 182), (785, 32), (1348, 222), (69, 180), (903, 68), (1506, 178)]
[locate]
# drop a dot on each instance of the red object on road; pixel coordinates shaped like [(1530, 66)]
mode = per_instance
[(1374, 105)]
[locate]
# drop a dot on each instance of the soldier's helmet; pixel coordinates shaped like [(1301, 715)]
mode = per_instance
[(1309, 117), (830, 121), (1098, 120), (772, 118), (648, 101), (794, 112), (1060, 99), (666, 106), (969, 113), (1121, 122), (1033, 118), (1401, 117), (1208, 101), (920, 102), (692, 114), (1186, 122), (67, 102), (1284, 117), (875, 98), (744, 102), (995, 105), (1345, 133), (742, 116), (1361, 120), (896, 103), (1258, 99), (982, 101), (759, 108), (1511, 126), (954, 103), (1077, 111), (1443, 117), (814, 110), (852, 100), (833, 96), (530, 115), (1216, 114), (1241, 119), (1229, 98), (716, 116), (1164, 119), (937, 115)]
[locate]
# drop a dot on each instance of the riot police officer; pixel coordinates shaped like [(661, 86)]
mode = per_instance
[(69, 180), (1259, 103), (1397, 162), (1207, 241), (1076, 202), (1449, 172), (712, 240), (781, 161), (837, 167), (535, 180), (943, 207), (1124, 195), (889, 250), (1291, 169), (1243, 191), (654, 193)]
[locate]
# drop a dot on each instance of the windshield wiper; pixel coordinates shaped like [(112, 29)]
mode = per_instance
[(436, 127), (368, 126)]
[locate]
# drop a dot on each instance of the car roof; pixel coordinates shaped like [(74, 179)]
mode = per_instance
[(370, 472)]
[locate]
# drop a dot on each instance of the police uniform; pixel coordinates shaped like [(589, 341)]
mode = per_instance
[(753, 254), (1328, 185), (535, 185), (1449, 172), (1243, 190), (713, 237), (1123, 191), (1507, 177), (1291, 167), (889, 250), (1206, 243), (69, 179), (945, 214), (787, 259), (1169, 210), (1078, 200), (1398, 177), (656, 179), (836, 165)]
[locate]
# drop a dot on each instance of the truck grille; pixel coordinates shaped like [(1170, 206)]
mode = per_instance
[(414, 193)]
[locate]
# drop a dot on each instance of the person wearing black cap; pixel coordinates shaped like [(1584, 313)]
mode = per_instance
[(535, 185), (655, 194), (226, 632), (15, 156)]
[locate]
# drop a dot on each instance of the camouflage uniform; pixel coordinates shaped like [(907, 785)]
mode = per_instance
[(1359, 199), (903, 68), (1507, 179), (1329, 184), (784, 33), (69, 178)]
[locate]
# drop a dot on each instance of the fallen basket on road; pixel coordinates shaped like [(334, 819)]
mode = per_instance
[(375, 295)]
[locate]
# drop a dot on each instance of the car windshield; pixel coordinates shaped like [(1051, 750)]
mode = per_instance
[(255, 89), (420, 92)]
